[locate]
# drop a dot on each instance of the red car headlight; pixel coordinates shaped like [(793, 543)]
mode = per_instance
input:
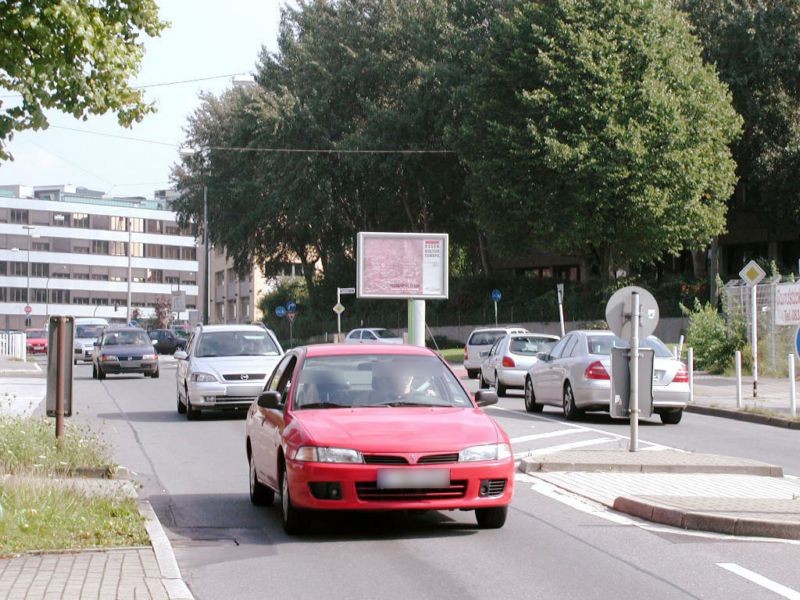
[(328, 455)]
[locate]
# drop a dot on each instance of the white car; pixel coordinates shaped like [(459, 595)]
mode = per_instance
[(373, 335), (87, 331), (482, 340), (507, 362), (224, 367), (575, 376)]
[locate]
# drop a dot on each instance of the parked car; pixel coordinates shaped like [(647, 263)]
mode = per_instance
[(36, 341), (166, 342), (575, 376), (482, 340), (373, 335), (123, 350), (507, 362), (224, 367), (383, 427), (87, 332)]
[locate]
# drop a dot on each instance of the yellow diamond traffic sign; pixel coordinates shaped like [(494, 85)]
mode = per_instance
[(752, 273)]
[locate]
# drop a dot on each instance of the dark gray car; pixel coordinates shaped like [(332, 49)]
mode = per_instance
[(124, 350)]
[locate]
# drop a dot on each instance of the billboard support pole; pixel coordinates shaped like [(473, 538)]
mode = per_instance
[(416, 322), (339, 315)]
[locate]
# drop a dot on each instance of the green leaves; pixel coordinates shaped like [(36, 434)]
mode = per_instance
[(76, 56)]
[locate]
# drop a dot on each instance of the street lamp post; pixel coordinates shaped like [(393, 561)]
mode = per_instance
[(130, 271)]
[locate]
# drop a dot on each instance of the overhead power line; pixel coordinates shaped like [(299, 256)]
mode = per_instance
[(258, 149)]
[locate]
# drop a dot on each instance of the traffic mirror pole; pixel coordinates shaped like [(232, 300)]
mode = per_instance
[(634, 366)]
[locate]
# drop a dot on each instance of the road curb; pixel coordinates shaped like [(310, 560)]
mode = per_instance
[(533, 465), (165, 557), (701, 521), (739, 415)]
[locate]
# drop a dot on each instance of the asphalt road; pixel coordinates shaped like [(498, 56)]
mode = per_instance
[(552, 546)]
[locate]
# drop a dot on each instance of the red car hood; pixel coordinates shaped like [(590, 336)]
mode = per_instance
[(399, 429)]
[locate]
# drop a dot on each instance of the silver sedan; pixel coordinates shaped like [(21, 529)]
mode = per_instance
[(507, 362), (575, 376)]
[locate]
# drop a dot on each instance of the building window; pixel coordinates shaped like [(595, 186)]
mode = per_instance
[(137, 225), (172, 229), (80, 220), (39, 296), (41, 246), (19, 216), (188, 254), (119, 249), (154, 250), (60, 275), (155, 276), (3, 268), (100, 301), (80, 250), (172, 252), (188, 282), (153, 226), (99, 277), (59, 296), (80, 300), (171, 280), (118, 223), (99, 247), (81, 276), (18, 295), (232, 278), (219, 277), (18, 269), (3, 294), (137, 249), (40, 270)]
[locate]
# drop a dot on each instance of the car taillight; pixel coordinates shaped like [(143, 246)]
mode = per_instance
[(596, 370), (682, 376), (508, 361)]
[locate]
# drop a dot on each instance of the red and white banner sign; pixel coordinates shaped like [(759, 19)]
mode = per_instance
[(787, 304)]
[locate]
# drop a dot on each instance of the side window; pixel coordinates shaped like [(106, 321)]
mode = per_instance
[(277, 374), (368, 335), (190, 346), (559, 347), (355, 335), (495, 348), (577, 346), (286, 378), (570, 347)]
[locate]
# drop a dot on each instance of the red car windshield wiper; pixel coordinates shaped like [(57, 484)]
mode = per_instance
[(323, 405)]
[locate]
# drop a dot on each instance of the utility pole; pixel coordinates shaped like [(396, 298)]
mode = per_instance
[(207, 311)]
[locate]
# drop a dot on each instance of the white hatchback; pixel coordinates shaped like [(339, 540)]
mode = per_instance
[(225, 367), (508, 361), (481, 340)]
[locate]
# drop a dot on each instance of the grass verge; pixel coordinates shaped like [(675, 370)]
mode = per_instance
[(29, 446), (453, 355), (765, 412), (41, 515)]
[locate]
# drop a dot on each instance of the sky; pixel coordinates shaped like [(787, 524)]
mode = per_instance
[(207, 38)]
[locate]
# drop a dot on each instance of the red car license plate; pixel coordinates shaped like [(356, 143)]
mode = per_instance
[(393, 479)]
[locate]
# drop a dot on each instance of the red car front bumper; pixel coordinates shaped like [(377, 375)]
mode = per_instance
[(472, 485)]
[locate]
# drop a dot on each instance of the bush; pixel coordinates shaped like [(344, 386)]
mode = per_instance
[(714, 340)]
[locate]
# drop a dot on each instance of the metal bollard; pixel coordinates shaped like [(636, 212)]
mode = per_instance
[(690, 361), (738, 362), (792, 390)]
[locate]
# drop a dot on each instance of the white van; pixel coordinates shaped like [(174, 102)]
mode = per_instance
[(87, 330)]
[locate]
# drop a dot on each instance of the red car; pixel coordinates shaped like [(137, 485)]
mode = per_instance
[(346, 427), (36, 340)]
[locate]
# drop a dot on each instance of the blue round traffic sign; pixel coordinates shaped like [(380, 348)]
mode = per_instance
[(280, 311), (496, 295), (797, 342), (291, 306)]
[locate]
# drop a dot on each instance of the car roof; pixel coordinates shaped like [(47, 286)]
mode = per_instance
[(232, 327), (533, 334), (352, 349), (117, 328), (500, 328)]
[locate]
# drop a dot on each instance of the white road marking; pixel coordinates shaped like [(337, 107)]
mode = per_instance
[(560, 447), (598, 510), (541, 436), (754, 577)]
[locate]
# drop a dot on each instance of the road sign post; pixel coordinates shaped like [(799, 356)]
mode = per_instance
[(59, 371), (752, 274), (632, 313), (560, 292), (339, 308), (496, 296)]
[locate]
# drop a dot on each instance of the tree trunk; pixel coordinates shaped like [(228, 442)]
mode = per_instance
[(484, 253), (700, 263)]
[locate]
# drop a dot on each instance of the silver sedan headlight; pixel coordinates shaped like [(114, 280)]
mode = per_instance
[(486, 452), (203, 378)]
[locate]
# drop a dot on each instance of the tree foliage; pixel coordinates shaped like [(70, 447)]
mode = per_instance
[(599, 131), (76, 56), (756, 48)]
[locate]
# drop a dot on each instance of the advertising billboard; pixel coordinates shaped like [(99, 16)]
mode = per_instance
[(402, 265)]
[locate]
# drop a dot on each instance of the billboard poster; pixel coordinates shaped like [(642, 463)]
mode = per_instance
[(787, 304), (402, 265)]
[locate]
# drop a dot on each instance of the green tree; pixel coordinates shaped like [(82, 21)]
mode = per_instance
[(76, 56), (756, 48), (597, 129)]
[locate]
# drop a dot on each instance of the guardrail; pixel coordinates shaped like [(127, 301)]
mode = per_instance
[(13, 345)]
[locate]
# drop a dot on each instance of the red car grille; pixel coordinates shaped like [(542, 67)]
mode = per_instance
[(368, 490), (384, 459), (438, 459)]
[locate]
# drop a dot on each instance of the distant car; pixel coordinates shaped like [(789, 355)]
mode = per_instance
[(36, 341), (507, 362), (224, 367), (87, 332), (381, 427), (482, 340), (575, 376), (373, 335), (166, 342), (123, 350)]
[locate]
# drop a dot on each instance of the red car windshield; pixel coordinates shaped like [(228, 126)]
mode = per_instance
[(356, 381)]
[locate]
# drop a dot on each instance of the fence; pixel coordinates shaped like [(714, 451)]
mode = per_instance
[(13, 345), (777, 318)]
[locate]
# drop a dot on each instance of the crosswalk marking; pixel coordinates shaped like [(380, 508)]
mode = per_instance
[(541, 436), (560, 447), (772, 586)]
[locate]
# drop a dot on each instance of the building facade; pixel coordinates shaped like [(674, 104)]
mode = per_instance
[(73, 251)]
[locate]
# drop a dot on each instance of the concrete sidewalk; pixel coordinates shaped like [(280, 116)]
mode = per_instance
[(688, 490), (716, 395)]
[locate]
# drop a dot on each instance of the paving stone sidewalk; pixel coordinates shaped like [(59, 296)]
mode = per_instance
[(723, 502)]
